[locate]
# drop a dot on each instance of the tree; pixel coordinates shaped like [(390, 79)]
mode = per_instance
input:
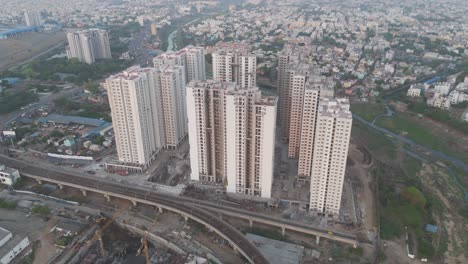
[(56, 134), (92, 87), (414, 196), (5, 83)]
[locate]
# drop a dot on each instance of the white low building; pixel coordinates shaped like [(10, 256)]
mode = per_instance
[(11, 246), (8, 176), (443, 88), (439, 102), (465, 116), (457, 97), (414, 92)]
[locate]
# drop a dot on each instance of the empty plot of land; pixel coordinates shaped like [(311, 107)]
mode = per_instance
[(26, 46)]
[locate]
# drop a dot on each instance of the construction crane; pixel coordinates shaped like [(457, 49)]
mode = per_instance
[(144, 246), (101, 243), (104, 222)]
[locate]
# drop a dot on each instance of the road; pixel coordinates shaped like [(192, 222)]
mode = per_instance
[(137, 49)]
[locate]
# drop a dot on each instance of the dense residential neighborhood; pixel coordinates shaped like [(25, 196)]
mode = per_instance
[(233, 131)]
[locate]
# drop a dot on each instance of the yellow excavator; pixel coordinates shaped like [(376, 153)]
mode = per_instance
[(144, 246)]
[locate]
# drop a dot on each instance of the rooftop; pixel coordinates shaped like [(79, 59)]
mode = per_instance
[(278, 252), (5, 169), (4, 233), (11, 243), (61, 119), (335, 107), (8, 30)]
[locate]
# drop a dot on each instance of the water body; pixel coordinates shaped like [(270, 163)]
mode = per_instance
[(171, 40)]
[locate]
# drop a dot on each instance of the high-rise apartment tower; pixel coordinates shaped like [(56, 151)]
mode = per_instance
[(88, 45), (232, 136)]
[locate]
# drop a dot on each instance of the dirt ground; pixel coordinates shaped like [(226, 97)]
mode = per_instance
[(396, 253), (362, 184), (13, 51), (46, 249), (439, 183)]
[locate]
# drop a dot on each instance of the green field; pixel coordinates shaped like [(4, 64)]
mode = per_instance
[(376, 142), (368, 111), (404, 124)]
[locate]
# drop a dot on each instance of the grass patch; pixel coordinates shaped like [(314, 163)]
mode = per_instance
[(403, 124), (377, 143), (41, 210), (368, 111), (7, 205), (63, 241)]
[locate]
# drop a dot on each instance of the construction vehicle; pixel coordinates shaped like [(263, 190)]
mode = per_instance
[(144, 246), (101, 221)]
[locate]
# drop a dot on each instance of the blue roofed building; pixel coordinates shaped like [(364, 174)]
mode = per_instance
[(66, 120), (11, 31), (102, 126), (431, 228)]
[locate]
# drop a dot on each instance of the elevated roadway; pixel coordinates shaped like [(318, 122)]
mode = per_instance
[(146, 195), (239, 242)]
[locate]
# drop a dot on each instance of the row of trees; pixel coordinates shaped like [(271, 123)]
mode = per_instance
[(79, 72)]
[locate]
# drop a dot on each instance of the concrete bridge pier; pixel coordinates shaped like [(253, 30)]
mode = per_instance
[(317, 240), (234, 247), (250, 222), (134, 203), (107, 197), (39, 181), (160, 210), (60, 186), (84, 192), (283, 230)]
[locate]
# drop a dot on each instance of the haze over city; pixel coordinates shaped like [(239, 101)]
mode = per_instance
[(233, 131)]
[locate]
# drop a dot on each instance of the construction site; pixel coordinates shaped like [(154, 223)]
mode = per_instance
[(111, 243)]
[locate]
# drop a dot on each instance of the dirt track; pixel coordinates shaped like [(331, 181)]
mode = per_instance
[(17, 50)]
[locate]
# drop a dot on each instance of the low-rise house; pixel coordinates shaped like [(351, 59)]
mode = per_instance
[(414, 91), (439, 102), (8, 176)]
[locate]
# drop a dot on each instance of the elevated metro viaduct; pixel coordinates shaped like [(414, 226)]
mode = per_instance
[(184, 206)]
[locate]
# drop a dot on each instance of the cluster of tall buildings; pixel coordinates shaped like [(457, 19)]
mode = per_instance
[(148, 111), (33, 18), (316, 125), (231, 125), (88, 45)]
